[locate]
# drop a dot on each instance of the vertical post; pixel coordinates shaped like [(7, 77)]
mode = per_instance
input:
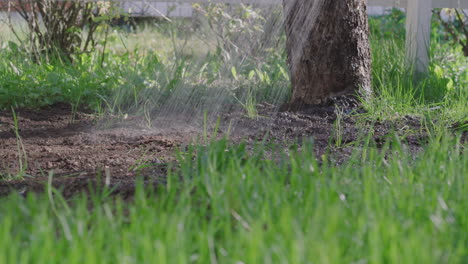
[(418, 34)]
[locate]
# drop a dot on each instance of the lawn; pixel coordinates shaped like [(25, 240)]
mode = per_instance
[(171, 149)]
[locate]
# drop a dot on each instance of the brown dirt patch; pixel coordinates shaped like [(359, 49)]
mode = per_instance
[(79, 151)]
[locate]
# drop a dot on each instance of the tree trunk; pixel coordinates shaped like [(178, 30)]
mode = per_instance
[(328, 49)]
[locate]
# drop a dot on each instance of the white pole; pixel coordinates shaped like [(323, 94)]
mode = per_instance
[(418, 34)]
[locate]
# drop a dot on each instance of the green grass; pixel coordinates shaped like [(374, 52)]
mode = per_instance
[(233, 206), (441, 94)]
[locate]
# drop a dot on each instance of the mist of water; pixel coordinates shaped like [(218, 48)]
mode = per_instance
[(246, 65)]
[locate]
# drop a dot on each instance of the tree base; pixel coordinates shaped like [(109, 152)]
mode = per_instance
[(349, 101), (328, 49)]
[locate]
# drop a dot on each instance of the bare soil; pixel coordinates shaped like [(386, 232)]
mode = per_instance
[(82, 150)]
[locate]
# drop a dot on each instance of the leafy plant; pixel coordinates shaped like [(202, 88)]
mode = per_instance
[(456, 26), (244, 34)]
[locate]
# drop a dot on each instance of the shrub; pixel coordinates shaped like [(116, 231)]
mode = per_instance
[(60, 29)]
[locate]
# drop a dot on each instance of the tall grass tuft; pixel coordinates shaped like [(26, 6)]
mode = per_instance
[(227, 204)]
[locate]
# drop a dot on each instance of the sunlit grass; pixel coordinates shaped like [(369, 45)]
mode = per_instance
[(228, 205), (166, 39), (441, 93)]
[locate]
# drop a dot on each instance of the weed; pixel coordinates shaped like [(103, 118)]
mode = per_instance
[(337, 133), (22, 155)]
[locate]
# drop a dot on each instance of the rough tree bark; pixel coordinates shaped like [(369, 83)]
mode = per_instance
[(328, 49)]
